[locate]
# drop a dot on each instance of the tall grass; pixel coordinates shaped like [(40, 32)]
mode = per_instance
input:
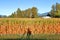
[(40, 28)]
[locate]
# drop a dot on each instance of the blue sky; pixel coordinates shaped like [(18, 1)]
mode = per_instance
[(9, 6)]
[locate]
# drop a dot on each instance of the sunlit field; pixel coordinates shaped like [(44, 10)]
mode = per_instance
[(17, 28)]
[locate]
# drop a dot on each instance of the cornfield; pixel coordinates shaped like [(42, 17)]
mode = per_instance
[(35, 25)]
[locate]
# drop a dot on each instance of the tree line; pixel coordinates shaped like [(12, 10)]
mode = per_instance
[(33, 12), (55, 12), (28, 13)]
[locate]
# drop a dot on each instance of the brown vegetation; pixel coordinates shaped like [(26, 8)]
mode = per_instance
[(35, 25)]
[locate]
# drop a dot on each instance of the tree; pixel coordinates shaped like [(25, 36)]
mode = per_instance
[(4, 16), (23, 14), (34, 12), (55, 12), (12, 15), (28, 13), (15, 15), (18, 12)]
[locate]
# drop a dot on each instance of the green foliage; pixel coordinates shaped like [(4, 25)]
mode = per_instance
[(34, 12), (19, 13), (12, 15), (28, 13), (55, 12), (32, 37)]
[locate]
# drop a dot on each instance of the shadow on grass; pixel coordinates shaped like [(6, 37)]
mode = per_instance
[(23, 39), (31, 37)]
